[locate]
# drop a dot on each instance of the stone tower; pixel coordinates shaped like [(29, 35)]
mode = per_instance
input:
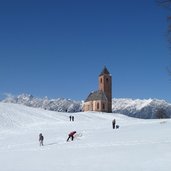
[(105, 85)]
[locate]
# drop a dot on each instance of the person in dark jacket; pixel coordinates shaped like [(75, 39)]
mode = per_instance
[(70, 117), (41, 138), (71, 135), (113, 123)]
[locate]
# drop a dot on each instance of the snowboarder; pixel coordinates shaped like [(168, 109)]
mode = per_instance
[(113, 123), (71, 135), (41, 138)]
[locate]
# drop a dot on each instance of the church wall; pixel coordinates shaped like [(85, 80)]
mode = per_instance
[(97, 105), (88, 106)]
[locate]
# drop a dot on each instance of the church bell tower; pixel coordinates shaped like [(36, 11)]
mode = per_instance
[(105, 85)]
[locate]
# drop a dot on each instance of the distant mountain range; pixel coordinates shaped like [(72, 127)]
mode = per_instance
[(60, 104), (146, 109)]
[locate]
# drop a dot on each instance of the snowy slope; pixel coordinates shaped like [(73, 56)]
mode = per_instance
[(138, 145), (17, 116)]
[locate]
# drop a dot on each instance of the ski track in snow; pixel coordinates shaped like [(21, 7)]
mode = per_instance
[(63, 144)]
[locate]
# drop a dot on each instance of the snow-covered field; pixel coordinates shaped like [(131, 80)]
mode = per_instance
[(138, 145)]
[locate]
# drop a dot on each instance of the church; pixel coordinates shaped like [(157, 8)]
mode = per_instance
[(101, 100)]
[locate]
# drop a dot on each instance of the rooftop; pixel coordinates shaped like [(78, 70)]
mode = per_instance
[(104, 71), (96, 95)]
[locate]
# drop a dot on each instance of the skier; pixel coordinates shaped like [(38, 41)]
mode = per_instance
[(113, 123), (41, 138), (71, 135)]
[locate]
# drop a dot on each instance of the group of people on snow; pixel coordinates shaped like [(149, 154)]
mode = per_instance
[(71, 118), (73, 133), (70, 136)]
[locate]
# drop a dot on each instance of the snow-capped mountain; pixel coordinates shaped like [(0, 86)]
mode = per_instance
[(60, 104), (146, 109)]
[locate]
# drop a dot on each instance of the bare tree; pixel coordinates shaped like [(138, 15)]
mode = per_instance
[(161, 114), (167, 5)]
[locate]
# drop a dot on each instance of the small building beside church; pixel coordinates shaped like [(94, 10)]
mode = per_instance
[(101, 100)]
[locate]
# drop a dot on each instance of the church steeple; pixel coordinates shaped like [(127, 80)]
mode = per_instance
[(105, 85), (104, 71)]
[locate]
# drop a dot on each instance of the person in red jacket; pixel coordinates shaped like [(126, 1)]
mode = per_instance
[(71, 135)]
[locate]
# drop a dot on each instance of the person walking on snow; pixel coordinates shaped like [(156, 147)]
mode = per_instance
[(71, 135), (113, 123), (41, 138), (70, 117), (73, 118)]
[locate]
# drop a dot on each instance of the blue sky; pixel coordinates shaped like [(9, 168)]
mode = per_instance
[(58, 48)]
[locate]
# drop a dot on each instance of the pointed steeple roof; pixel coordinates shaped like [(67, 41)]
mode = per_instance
[(104, 71)]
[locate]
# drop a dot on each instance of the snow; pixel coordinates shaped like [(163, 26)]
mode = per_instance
[(138, 145)]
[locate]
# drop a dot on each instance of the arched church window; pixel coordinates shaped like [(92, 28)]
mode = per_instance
[(107, 80), (101, 80), (103, 106)]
